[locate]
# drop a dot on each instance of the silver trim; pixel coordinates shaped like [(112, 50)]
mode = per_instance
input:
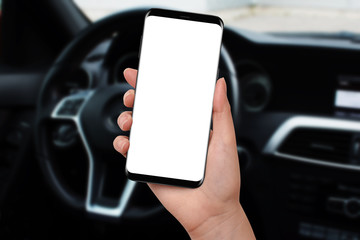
[(286, 128), (130, 185), (90, 76)]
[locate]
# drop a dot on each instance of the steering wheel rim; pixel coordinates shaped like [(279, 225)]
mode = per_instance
[(49, 109)]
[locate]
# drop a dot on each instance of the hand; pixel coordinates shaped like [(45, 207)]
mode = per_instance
[(213, 210)]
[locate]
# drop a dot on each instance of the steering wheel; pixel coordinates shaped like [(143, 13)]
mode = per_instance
[(87, 115)]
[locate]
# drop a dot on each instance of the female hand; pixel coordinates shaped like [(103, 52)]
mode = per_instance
[(213, 210)]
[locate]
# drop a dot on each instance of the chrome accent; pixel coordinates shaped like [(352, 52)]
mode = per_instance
[(130, 185), (286, 128)]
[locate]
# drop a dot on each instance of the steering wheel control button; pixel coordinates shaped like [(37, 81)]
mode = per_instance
[(65, 135), (70, 107)]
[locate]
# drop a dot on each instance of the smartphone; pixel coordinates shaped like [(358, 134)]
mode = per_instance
[(179, 57)]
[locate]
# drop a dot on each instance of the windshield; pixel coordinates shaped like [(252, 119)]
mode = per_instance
[(280, 16)]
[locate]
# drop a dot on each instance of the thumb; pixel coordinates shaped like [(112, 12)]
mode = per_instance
[(223, 125)]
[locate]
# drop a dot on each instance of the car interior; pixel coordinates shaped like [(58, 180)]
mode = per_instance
[(295, 100)]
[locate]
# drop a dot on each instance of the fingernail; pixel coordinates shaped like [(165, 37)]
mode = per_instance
[(225, 84), (123, 123), (123, 145), (127, 94), (119, 144)]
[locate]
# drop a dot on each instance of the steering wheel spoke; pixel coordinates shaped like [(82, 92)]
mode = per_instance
[(98, 204), (69, 107)]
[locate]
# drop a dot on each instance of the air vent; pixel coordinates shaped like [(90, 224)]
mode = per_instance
[(319, 144)]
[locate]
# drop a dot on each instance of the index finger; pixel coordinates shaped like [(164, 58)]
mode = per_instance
[(130, 76)]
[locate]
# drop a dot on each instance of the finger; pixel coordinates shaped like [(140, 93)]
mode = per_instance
[(130, 76), (125, 120), (223, 125), (128, 98), (121, 144)]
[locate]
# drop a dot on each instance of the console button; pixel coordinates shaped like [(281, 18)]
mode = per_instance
[(352, 207), (335, 204), (349, 207), (70, 107), (356, 148)]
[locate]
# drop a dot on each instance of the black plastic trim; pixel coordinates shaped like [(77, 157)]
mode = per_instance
[(185, 16), (163, 180)]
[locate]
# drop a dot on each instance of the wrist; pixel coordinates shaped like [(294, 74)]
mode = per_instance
[(232, 224)]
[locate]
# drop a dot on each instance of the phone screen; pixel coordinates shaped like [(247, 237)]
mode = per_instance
[(174, 97)]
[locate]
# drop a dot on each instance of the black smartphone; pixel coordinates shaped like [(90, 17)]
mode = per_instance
[(176, 79)]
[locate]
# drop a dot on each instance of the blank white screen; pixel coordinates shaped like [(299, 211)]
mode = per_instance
[(174, 96)]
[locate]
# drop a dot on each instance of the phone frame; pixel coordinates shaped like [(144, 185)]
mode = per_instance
[(184, 16)]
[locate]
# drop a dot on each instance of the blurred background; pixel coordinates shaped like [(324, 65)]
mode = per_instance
[(293, 76), (257, 15)]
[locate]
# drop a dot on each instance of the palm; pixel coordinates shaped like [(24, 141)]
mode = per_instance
[(218, 189)]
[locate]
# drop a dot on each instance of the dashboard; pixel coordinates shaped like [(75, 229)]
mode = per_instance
[(299, 134), (298, 75)]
